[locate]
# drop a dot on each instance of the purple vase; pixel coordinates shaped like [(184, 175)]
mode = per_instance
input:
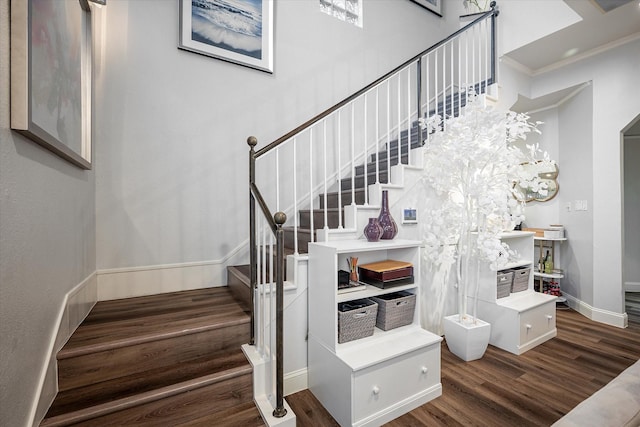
[(373, 231), (389, 227)]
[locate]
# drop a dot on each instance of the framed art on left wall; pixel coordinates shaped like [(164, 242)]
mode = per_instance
[(240, 31), (434, 6), (51, 75)]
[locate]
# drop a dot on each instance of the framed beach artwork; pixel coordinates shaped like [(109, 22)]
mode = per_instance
[(238, 31), (434, 6), (51, 75)]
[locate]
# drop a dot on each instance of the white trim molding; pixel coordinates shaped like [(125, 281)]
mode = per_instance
[(619, 320), (632, 287), (75, 307), (118, 283)]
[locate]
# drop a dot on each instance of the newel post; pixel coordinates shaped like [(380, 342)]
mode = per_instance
[(253, 256), (280, 218)]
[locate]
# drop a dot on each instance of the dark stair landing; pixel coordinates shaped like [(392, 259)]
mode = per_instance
[(162, 360)]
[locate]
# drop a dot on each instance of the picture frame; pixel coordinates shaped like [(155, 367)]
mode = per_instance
[(409, 216), (51, 76), (208, 31), (434, 6)]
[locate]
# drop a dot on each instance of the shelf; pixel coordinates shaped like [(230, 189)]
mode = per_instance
[(362, 245), (525, 300), (555, 239), (548, 275), (372, 291), (515, 234), (385, 345), (515, 264)]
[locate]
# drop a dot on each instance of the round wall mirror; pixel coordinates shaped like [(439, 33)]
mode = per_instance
[(548, 173)]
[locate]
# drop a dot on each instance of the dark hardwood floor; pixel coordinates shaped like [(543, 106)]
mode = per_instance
[(502, 389)]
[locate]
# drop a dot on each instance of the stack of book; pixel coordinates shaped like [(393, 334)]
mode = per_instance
[(386, 274)]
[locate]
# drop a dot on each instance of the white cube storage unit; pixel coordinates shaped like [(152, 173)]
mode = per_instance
[(372, 380), (523, 319)]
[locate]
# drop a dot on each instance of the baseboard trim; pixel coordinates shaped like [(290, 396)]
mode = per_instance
[(75, 307), (619, 320), (118, 283), (632, 287), (295, 381)]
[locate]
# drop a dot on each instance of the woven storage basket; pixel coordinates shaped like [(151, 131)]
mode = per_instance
[(395, 309), (504, 281), (356, 319), (520, 279)]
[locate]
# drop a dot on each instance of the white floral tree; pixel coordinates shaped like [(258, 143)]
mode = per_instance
[(472, 165)]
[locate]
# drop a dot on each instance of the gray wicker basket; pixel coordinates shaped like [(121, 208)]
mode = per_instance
[(504, 281), (356, 319), (520, 279), (395, 309)]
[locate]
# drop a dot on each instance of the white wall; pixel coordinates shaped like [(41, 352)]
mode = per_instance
[(47, 247), (525, 21), (576, 122), (171, 173), (542, 214), (613, 75), (632, 213)]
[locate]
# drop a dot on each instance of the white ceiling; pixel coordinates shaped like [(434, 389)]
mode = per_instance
[(596, 31)]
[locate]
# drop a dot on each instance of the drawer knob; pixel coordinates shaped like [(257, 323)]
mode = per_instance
[(376, 390), (549, 317), (424, 370), (528, 326)]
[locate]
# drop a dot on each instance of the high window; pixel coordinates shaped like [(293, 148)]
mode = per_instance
[(346, 10)]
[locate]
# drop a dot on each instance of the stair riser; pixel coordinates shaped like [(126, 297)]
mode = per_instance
[(332, 198), (116, 363), (239, 287), (128, 389), (183, 407), (318, 219), (359, 181), (303, 240)]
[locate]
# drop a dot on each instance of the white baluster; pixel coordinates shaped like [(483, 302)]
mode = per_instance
[(339, 168), (311, 183), (353, 162), (409, 115), (295, 196), (324, 154), (366, 154), (399, 126), (452, 100), (388, 127), (377, 147)]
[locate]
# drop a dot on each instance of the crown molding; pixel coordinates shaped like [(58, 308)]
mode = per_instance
[(518, 66), (588, 54)]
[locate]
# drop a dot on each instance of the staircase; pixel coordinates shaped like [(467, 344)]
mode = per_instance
[(163, 360), (238, 276)]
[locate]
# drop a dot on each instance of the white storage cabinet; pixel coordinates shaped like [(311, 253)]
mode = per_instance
[(524, 319), (372, 380)]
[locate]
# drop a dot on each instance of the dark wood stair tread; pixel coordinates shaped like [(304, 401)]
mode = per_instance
[(173, 405), (148, 326), (103, 397), (166, 359)]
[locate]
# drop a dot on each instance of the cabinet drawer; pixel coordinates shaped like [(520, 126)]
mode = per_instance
[(382, 385), (537, 322)]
